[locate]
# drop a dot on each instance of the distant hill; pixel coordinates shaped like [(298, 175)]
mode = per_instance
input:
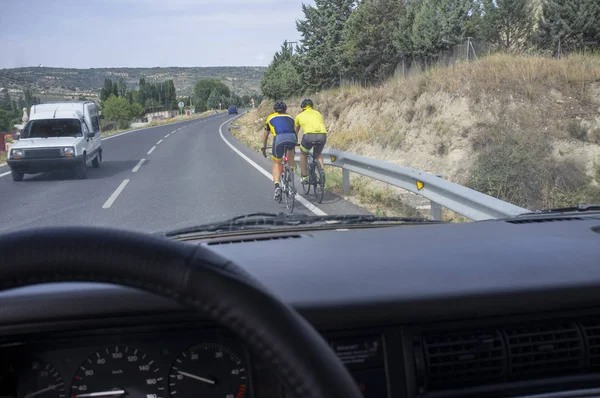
[(64, 81)]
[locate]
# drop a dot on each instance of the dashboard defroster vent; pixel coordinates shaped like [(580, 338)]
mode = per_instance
[(543, 220), (464, 358), (255, 239), (545, 350)]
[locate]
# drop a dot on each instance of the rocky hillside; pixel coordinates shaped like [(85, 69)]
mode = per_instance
[(524, 129)]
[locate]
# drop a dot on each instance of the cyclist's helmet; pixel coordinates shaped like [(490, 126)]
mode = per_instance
[(306, 102), (280, 107)]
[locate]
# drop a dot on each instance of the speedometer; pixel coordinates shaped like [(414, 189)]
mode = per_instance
[(208, 370), (118, 371)]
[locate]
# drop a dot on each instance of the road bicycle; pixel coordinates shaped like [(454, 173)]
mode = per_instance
[(316, 175), (286, 181)]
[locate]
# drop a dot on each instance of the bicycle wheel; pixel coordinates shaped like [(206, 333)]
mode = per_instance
[(290, 190), (319, 188), (306, 186)]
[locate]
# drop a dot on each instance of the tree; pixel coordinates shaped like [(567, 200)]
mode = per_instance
[(439, 25), (5, 118), (507, 23), (281, 79), (6, 102), (120, 110), (213, 99), (122, 88), (368, 50), (571, 23), (321, 32), (107, 89), (204, 89)]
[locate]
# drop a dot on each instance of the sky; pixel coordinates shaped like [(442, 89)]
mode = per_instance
[(145, 33)]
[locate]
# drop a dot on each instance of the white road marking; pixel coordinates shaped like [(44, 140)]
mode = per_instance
[(167, 136), (151, 149), (137, 166), (159, 141), (115, 195), (299, 197), (4, 174)]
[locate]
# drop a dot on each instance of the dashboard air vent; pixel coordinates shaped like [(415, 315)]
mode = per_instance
[(544, 350), (591, 334), (256, 239), (464, 358)]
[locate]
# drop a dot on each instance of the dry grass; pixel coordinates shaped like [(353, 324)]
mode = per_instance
[(2, 157), (516, 112)]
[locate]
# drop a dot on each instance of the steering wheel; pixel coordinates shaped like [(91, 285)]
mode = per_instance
[(193, 276)]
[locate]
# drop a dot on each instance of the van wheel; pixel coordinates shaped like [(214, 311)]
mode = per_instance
[(16, 176), (81, 170), (96, 161)]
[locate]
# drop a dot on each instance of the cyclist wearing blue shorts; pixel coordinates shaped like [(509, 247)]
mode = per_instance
[(281, 126)]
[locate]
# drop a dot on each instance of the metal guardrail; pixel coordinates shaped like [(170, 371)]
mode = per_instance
[(442, 193)]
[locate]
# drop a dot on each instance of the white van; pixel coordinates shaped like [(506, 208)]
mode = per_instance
[(62, 135)]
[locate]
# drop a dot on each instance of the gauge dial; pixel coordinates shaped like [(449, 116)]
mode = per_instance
[(116, 372), (208, 370), (41, 380)]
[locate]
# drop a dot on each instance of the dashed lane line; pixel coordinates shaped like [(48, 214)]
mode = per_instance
[(115, 195), (137, 166)]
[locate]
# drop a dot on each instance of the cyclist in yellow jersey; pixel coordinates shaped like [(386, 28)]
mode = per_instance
[(281, 126), (313, 130)]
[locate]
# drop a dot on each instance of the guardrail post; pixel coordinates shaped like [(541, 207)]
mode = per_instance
[(345, 180), (436, 211)]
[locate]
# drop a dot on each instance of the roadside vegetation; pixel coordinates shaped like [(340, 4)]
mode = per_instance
[(524, 129), (501, 96)]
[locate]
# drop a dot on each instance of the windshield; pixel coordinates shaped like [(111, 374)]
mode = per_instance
[(52, 128), (195, 113)]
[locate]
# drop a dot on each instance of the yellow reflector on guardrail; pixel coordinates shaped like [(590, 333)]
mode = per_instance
[(420, 185), (332, 158)]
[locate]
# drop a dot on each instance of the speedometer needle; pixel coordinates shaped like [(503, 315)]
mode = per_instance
[(33, 394), (102, 394), (202, 379)]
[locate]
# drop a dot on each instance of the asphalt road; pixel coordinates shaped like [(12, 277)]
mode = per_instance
[(156, 179)]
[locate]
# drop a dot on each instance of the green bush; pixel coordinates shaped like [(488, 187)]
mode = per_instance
[(119, 110), (520, 169)]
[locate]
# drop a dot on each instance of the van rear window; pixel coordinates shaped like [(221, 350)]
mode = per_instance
[(52, 128)]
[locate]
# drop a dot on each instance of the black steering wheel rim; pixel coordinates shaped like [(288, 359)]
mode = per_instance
[(192, 275)]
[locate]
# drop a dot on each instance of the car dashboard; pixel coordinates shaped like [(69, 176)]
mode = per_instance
[(494, 309)]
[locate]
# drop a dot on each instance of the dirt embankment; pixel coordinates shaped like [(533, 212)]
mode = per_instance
[(525, 129)]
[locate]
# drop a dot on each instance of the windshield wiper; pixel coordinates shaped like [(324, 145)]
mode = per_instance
[(258, 220), (580, 208)]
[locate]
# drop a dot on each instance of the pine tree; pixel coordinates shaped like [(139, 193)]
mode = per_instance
[(106, 91), (508, 23), (321, 32), (369, 53), (122, 88), (438, 26), (572, 24)]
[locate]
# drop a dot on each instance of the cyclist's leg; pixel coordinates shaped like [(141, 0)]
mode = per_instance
[(319, 148), (277, 155), (291, 154), (305, 148)]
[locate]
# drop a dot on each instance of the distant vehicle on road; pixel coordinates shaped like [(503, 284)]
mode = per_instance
[(61, 135), (233, 109)]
